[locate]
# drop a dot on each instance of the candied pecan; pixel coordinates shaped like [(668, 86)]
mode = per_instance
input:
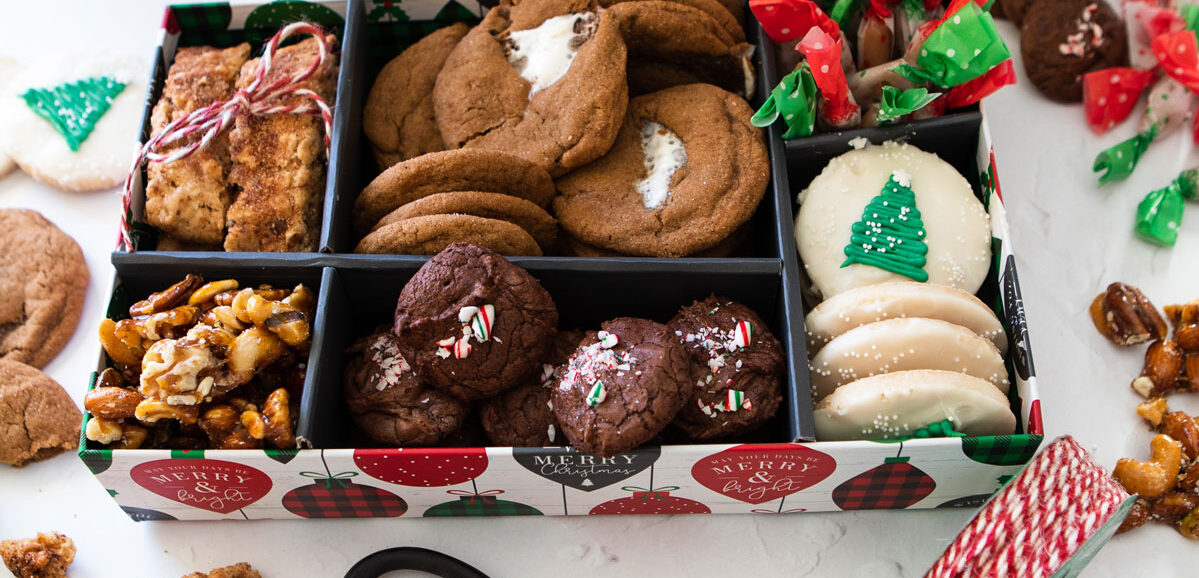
[(1125, 316)]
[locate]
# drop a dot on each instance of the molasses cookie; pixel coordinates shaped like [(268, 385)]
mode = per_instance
[(446, 171), (398, 118), (473, 324), (43, 280), (544, 79), (622, 386), (38, 420), (736, 245), (682, 37), (736, 368), (430, 234), (686, 171), (725, 15), (1063, 40), (524, 416), (390, 404), (528, 216)]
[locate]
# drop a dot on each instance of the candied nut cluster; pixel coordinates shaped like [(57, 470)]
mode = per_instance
[(1125, 316), (47, 555), (1167, 485), (203, 365)]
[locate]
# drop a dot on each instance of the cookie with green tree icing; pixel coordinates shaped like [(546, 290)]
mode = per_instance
[(892, 213)]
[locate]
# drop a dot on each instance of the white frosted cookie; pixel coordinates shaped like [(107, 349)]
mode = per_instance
[(8, 69), (102, 158), (856, 228), (902, 344), (873, 303), (896, 404)]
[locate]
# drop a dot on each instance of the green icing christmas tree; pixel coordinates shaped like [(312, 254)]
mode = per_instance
[(890, 234), (74, 108)]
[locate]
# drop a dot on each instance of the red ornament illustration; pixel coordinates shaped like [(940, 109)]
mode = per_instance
[(425, 467), (335, 496), (656, 501), (758, 473), (894, 485), (213, 485)]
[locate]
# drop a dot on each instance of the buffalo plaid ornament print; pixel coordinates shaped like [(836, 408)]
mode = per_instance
[(894, 485), (482, 503), (335, 496)]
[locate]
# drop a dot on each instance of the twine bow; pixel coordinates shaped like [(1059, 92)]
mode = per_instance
[(486, 496), (644, 494), (257, 99), (342, 479)]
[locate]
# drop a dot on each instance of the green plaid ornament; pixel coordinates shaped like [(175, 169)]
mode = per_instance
[(482, 503), (1001, 450)]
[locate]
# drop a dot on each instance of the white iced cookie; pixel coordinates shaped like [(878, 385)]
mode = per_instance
[(873, 303), (896, 404), (664, 154), (902, 344), (72, 92), (8, 69), (888, 213), (542, 55)]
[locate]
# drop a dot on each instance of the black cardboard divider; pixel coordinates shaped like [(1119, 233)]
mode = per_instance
[(585, 297)]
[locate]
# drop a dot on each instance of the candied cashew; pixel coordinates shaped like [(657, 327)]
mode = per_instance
[(126, 348), (1155, 477)]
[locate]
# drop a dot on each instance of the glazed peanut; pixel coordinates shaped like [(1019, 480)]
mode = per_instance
[(1155, 477)]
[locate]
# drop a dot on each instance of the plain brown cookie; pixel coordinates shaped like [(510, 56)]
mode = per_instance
[(481, 100), (528, 216), (639, 377), (714, 193), (524, 415), (720, 362), (390, 404), (717, 10), (1046, 46), (685, 39), (398, 118), (436, 315), (46, 556), (239, 570), (446, 171), (43, 280), (739, 244), (430, 234), (38, 420)]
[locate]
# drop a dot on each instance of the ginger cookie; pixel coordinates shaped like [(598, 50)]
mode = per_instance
[(442, 172), (622, 386), (528, 216), (398, 118), (686, 38), (430, 234), (736, 245), (686, 171), (38, 420), (524, 416), (717, 10), (43, 280), (544, 79), (473, 324), (1063, 40)]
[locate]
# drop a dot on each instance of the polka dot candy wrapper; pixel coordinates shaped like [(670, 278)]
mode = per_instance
[(1160, 213), (793, 100), (1145, 21), (968, 93), (964, 46), (1169, 107), (788, 20), (1109, 95), (1178, 54), (897, 103), (823, 54)]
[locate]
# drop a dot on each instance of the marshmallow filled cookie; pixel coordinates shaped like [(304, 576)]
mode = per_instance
[(670, 41), (446, 171), (544, 79), (897, 404), (898, 299), (390, 404), (891, 213), (524, 416), (622, 386), (736, 368), (472, 324), (398, 118), (87, 145), (901, 344), (687, 170)]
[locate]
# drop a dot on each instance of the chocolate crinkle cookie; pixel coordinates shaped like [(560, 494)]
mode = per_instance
[(621, 387), (524, 416), (472, 324), (736, 368), (1063, 40), (389, 402)]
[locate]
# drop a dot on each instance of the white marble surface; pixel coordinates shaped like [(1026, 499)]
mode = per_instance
[(1072, 237)]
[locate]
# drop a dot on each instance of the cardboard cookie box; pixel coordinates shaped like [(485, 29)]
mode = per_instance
[(782, 470)]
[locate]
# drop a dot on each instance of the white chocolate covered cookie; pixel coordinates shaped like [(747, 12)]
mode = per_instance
[(902, 344), (888, 213), (72, 93), (873, 303), (896, 404)]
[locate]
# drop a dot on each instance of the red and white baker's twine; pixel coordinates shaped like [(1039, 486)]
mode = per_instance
[(257, 99), (1038, 520)]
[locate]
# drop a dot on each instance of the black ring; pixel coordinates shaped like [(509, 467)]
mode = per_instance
[(411, 558)]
